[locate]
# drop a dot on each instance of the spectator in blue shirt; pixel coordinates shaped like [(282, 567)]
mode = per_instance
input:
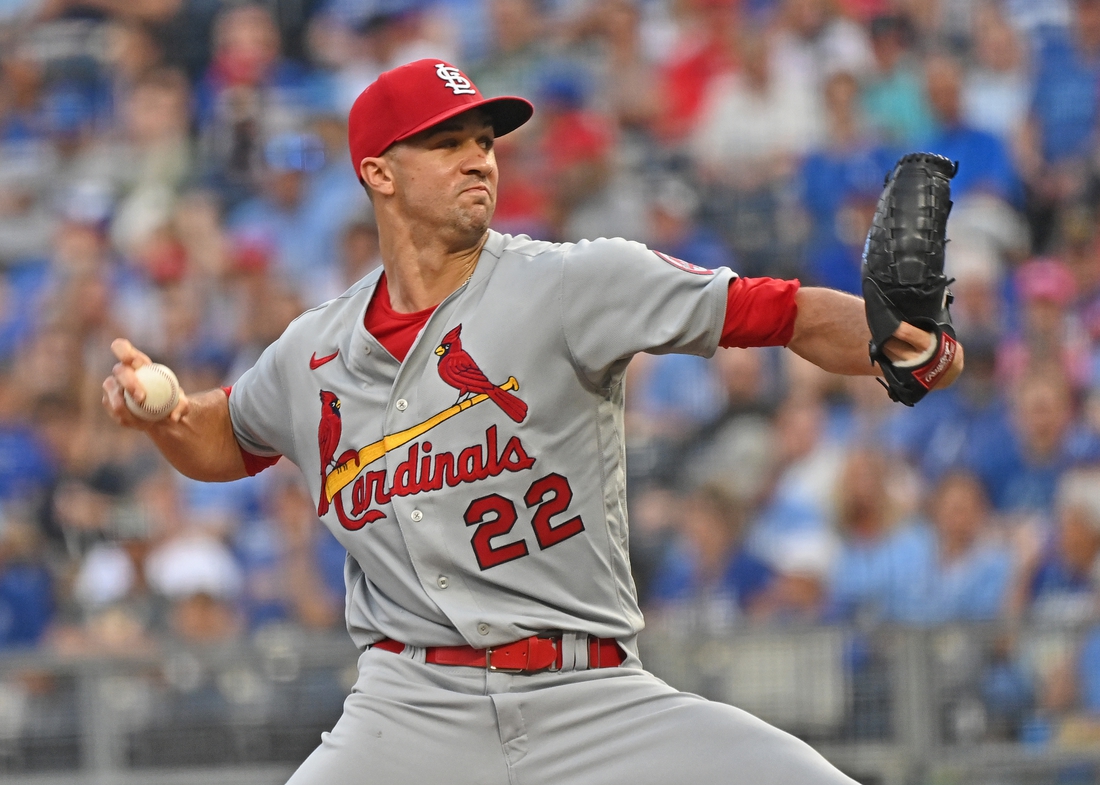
[(984, 162), (806, 462), (1088, 673), (867, 521), (1065, 107), (951, 568), (26, 604), (300, 215), (997, 88), (1046, 439), (1067, 78), (26, 586), (27, 463), (674, 395), (958, 568), (22, 290), (293, 568), (1057, 574), (968, 424), (706, 570), (841, 183)]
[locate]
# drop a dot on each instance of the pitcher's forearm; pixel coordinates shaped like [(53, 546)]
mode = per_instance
[(831, 331), (201, 445)]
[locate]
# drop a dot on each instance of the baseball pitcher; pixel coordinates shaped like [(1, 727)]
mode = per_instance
[(458, 414)]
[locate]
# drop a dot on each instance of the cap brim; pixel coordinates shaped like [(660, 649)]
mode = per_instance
[(507, 112)]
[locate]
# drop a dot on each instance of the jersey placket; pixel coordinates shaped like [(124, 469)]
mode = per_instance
[(437, 568)]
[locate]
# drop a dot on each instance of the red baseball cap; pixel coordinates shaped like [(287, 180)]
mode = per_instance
[(407, 99)]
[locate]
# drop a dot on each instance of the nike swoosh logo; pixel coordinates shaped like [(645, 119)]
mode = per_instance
[(316, 362)]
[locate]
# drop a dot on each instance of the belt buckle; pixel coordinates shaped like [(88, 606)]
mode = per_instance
[(498, 669), (534, 655)]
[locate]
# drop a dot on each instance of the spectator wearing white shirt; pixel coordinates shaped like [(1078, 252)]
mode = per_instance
[(757, 121), (997, 91), (814, 42)]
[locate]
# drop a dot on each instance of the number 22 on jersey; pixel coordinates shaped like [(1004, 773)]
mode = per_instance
[(495, 516)]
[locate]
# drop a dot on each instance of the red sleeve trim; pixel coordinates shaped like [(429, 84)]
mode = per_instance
[(760, 312), (253, 464)]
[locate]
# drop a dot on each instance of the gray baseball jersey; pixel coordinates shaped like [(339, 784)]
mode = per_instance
[(479, 488), (472, 514)]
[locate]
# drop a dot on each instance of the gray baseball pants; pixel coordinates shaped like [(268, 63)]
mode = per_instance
[(410, 723)]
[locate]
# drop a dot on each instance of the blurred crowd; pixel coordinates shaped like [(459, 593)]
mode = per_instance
[(176, 171)]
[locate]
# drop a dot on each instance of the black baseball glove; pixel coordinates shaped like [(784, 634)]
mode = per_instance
[(903, 277)]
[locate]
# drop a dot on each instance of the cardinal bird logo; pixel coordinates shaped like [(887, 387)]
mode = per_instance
[(458, 369), (328, 438)]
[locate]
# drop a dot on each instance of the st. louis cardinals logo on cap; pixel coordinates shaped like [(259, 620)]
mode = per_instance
[(454, 79), (415, 96), (422, 470)]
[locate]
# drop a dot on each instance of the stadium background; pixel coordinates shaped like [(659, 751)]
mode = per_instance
[(915, 591)]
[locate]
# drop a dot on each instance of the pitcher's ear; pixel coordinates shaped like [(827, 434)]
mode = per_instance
[(377, 175)]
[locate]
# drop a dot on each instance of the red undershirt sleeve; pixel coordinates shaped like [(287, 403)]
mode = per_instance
[(759, 312), (253, 464)]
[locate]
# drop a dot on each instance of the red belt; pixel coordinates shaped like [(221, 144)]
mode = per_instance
[(523, 656)]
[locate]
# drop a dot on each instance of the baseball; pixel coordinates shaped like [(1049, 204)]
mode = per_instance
[(162, 392)]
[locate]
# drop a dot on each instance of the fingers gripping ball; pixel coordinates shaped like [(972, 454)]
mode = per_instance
[(162, 392), (903, 278)]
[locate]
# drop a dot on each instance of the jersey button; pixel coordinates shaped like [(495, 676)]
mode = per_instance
[(442, 582), (417, 516), (402, 404), (483, 628)]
